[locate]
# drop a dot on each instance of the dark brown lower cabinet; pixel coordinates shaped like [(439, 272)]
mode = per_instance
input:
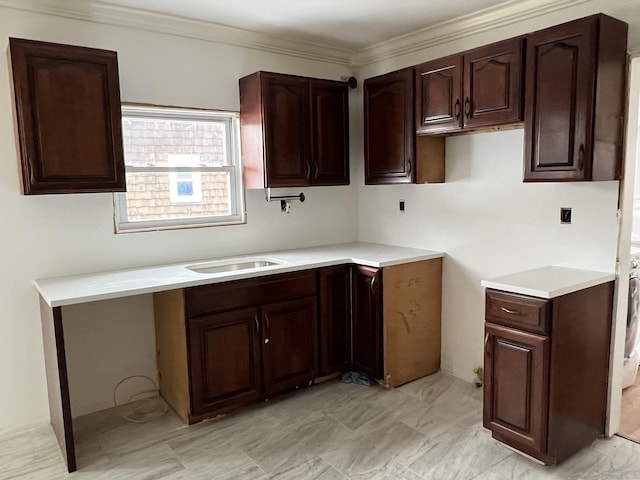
[(225, 367), (290, 344), (367, 321), (334, 299), (517, 362), (546, 370)]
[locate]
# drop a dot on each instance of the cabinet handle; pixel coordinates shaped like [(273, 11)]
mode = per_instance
[(316, 171), (510, 312), (581, 157), (408, 167), (456, 109), (486, 344), (255, 317), (308, 175), (467, 107), (372, 284), (266, 319)]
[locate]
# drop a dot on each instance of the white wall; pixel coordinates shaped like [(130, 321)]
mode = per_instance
[(484, 217), (54, 235)]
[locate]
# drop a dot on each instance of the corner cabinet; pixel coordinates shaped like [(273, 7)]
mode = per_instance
[(546, 370), (389, 134), (575, 90), (294, 131), (68, 119), (479, 88)]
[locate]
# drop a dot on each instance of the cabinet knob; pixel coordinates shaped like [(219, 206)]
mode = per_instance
[(456, 109), (266, 340)]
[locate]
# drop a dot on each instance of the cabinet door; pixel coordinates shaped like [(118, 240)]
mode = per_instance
[(290, 344), (389, 135), (493, 84), (68, 116), (560, 77), (286, 130), (329, 133), (438, 95), (335, 319), (224, 360), (367, 321), (516, 387)]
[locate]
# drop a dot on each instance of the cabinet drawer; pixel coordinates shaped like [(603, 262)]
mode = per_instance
[(248, 293), (520, 311)]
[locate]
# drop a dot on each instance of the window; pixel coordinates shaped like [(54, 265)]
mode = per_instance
[(182, 168)]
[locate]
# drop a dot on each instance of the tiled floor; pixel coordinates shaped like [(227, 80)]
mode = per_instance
[(428, 429)]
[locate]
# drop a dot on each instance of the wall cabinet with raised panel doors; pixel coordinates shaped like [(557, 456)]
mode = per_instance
[(575, 91), (225, 345), (294, 131), (68, 120), (478, 88), (392, 153), (546, 370)]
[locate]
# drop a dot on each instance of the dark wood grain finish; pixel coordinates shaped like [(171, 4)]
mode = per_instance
[(367, 321), (517, 367), (573, 395), (573, 123), (329, 132), (389, 134), (258, 291), (493, 84), (68, 118), (519, 311), (579, 373), (439, 106), (294, 131), (226, 365), (334, 287), (286, 130), (55, 362), (289, 344)]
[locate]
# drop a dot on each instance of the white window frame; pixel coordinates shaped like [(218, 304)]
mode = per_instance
[(196, 179), (234, 169)]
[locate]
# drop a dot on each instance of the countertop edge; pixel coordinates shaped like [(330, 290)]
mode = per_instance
[(44, 286)]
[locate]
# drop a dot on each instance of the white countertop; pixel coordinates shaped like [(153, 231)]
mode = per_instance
[(548, 282), (69, 290)]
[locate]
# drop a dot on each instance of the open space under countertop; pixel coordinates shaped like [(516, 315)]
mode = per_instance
[(69, 290), (548, 282)]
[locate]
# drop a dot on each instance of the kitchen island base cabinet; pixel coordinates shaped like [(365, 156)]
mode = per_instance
[(546, 370)]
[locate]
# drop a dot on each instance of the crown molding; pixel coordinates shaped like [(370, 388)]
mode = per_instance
[(484, 20), (184, 27)]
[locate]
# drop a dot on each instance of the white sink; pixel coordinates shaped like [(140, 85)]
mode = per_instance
[(233, 264)]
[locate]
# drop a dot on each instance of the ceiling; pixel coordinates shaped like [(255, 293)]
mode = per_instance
[(348, 24)]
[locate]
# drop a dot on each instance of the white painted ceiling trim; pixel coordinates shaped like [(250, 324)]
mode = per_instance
[(184, 27), (477, 22), (487, 19)]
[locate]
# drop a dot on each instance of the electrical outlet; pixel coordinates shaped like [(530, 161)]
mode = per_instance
[(565, 215), (401, 205)]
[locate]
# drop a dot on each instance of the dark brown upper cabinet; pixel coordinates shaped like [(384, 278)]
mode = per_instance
[(388, 128), (68, 118), (294, 131), (575, 88), (478, 88)]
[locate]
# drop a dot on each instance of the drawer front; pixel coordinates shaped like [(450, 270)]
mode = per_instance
[(221, 297), (519, 311)]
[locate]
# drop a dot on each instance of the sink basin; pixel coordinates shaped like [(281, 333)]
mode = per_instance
[(231, 265)]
